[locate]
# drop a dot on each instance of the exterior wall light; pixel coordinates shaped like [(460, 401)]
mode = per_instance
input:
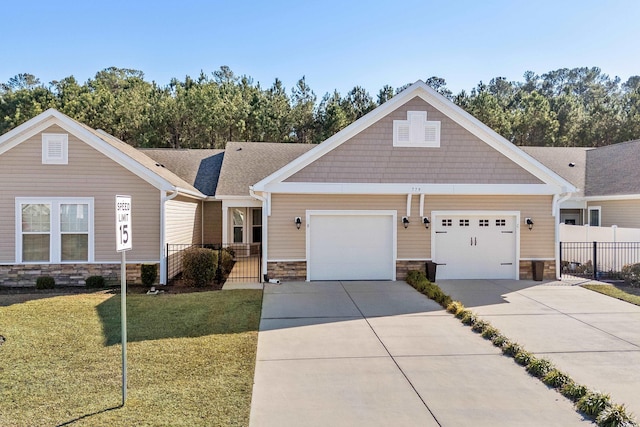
[(405, 221), (426, 222), (298, 222), (529, 222)]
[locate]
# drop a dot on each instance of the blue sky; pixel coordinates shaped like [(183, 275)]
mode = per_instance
[(335, 44)]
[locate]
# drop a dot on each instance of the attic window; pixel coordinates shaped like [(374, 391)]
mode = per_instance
[(55, 148), (416, 131)]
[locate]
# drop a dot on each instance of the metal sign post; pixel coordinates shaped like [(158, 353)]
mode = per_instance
[(123, 244)]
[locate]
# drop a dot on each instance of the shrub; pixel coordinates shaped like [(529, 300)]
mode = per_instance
[(413, 276), (455, 307), (226, 260), (556, 379), (498, 340), (45, 282), (511, 348), (198, 266), (593, 403), (469, 318), (480, 325), (573, 391), (148, 273), (523, 358), (95, 282), (631, 275), (539, 367), (489, 332), (615, 416)]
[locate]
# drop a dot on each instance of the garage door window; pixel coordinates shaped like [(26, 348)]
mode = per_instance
[(464, 223), (483, 223), (446, 223), (501, 222)]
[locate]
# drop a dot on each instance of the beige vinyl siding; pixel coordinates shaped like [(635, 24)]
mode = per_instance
[(88, 174), (183, 219), (623, 213), (288, 243), (212, 222), (370, 157)]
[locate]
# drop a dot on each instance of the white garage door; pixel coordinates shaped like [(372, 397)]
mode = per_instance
[(475, 246), (350, 246)]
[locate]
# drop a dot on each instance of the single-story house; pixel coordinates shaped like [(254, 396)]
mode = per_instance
[(607, 178), (417, 179)]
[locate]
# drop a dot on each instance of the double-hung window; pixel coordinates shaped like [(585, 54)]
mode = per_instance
[(54, 230)]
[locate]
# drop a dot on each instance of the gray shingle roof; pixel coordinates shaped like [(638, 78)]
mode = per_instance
[(199, 167), (246, 163), (558, 160), (142, 159), (614, 169)]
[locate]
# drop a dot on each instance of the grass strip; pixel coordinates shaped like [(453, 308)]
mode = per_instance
[(614, 292)]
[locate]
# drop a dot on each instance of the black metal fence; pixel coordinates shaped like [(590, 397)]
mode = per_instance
[(236, 262), (597, 260)]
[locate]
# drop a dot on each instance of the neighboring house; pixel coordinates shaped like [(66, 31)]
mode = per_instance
[(608, 182), (415, 180), (58, 203)]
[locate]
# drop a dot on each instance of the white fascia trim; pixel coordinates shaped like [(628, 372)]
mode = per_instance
[(414, 259), (240, 202), (612, 197), (537, 259), (447, 107), (429, 189), (288, 260)]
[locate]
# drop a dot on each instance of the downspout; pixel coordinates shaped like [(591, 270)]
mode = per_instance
[(265, 214), (555, 212), (163, 244)]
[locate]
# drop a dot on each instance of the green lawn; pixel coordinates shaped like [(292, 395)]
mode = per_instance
[(614, 292), (191, 360)]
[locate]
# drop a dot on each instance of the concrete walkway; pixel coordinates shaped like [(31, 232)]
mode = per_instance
[(381, 354), (592, 337)]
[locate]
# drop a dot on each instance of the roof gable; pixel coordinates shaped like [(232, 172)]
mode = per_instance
[(613, 170), (119, 151), (420, 93)]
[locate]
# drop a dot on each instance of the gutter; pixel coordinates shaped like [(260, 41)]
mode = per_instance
[(265, 215)]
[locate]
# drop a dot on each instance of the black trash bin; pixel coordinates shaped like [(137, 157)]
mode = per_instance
[(431, 271), (538, 270)]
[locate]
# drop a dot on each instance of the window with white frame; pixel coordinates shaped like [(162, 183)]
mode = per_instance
[(55, 147), (416, 131), (595, 216), (54, 230), (238, 225), (256, 225)]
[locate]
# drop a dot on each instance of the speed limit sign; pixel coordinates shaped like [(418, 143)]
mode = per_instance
[(123, 223)]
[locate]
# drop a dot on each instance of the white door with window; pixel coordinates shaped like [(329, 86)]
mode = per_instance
[(475, 245)]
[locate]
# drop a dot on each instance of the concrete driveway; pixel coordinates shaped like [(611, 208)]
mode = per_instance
[(381, 354), (592, 337)]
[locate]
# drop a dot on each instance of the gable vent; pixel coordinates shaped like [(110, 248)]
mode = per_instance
[(416, 131), (54, 149)]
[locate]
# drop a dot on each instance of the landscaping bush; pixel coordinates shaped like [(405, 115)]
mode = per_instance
[(593, 403), (419, 281), (45, 282), (199, 266), (95, 282), (631, 275), (498, 340), (226, 260), (615, 416), (511, 348), (455, 307), (573, 391), (480, 325), (489, 332), (523, 358), (556, 379), (539, 368), (148, 273), (469, 318)]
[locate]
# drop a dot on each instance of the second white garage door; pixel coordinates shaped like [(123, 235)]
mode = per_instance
[(475, 245), (350, 245)]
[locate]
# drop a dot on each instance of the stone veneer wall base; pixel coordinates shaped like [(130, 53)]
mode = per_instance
[(25, 275), (526, 270)]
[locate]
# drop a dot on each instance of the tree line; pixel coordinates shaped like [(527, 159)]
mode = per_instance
[(565, 107)]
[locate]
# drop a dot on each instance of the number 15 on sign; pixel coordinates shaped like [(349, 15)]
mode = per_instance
[(123, 223)]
